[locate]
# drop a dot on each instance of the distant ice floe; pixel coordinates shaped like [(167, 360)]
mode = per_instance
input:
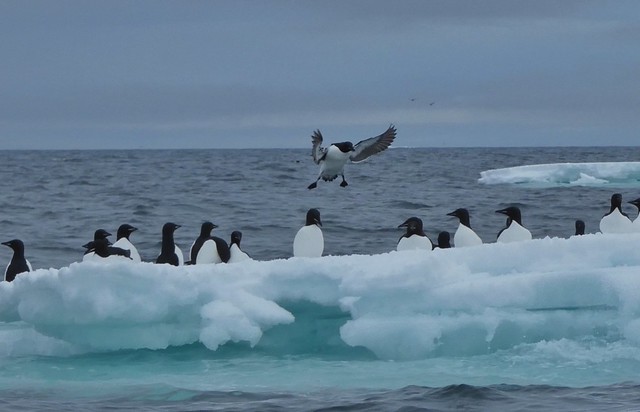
[(615, 174)]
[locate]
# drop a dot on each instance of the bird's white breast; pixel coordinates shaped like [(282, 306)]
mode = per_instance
[(616, 222), (514, 233), (208, 253), (334, 161), (414, 242), (124, 243), (237, 255), (308, 242), (178, 252), (465, 236)]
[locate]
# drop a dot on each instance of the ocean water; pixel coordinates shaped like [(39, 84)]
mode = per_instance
[(548, 324)]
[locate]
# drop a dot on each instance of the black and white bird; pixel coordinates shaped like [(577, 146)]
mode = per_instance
[(444, 240), (414, 238), (333, 158), (616, 221), (309, 241), (170, 253), (18, 264), (464, 236), (514, 231), (237, 254), (99, 234), (636, 222), (207, 248), (102, 248), (123, 241)]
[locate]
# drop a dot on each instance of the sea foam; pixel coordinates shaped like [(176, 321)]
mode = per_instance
[(397, 305)]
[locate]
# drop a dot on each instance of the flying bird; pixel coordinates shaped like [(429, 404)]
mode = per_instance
[(333, 158)]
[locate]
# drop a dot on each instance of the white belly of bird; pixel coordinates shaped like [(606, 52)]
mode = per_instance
[(465, 237), (334, 162), (208, 253), (124, 243), (616, 222), (308, 242), (180, 255), (414, 242), (237, 255), (514, 233)]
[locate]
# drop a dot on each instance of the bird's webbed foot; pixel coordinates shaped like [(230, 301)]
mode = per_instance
[(344, 183), (313, 185)]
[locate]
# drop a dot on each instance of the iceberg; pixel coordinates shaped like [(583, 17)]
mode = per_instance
[(397, 305), (608, 174)]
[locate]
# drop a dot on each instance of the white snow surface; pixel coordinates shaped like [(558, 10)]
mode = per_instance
[(398, 305)]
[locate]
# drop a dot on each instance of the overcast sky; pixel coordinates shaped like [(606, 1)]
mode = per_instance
[(218, 74)]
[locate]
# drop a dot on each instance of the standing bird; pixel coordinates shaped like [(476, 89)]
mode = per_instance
[(123, 242), (170, 253), (99, 234), (309, 241), (207, 248), (18, 264), (464, 236), (414, 238), (237, 254), (616, 221), (579, 227), (444, 240), (514, 232), (636, 223), (103, 249), (333, 158)]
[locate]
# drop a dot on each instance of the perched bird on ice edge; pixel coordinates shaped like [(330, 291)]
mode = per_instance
[(333, 158)]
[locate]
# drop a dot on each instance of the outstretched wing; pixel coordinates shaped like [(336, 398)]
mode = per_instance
[(373, 145), (317, 150)]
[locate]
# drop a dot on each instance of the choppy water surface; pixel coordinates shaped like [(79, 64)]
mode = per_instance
[(54, 200)]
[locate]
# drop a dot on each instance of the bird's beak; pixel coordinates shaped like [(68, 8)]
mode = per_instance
[(405, 224), (452, 214), (318, 222), (503, 211), (86, 245), (6, 243), (133, 229)]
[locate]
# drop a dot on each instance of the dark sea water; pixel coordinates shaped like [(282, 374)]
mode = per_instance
[(55, 200)]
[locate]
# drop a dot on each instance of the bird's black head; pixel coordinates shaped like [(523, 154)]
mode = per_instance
[(206, 228), (636, 203), (345, 147), (236, 237), (16, 245), (101, 234), (313, 217), (125, 230), (413, 225), (512, 212), (444, 240), (579, 227), (462, 214), (169, 227), (616, 201)]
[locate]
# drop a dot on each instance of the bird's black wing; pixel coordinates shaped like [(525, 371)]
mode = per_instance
[(373, 145), (317, 150)]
